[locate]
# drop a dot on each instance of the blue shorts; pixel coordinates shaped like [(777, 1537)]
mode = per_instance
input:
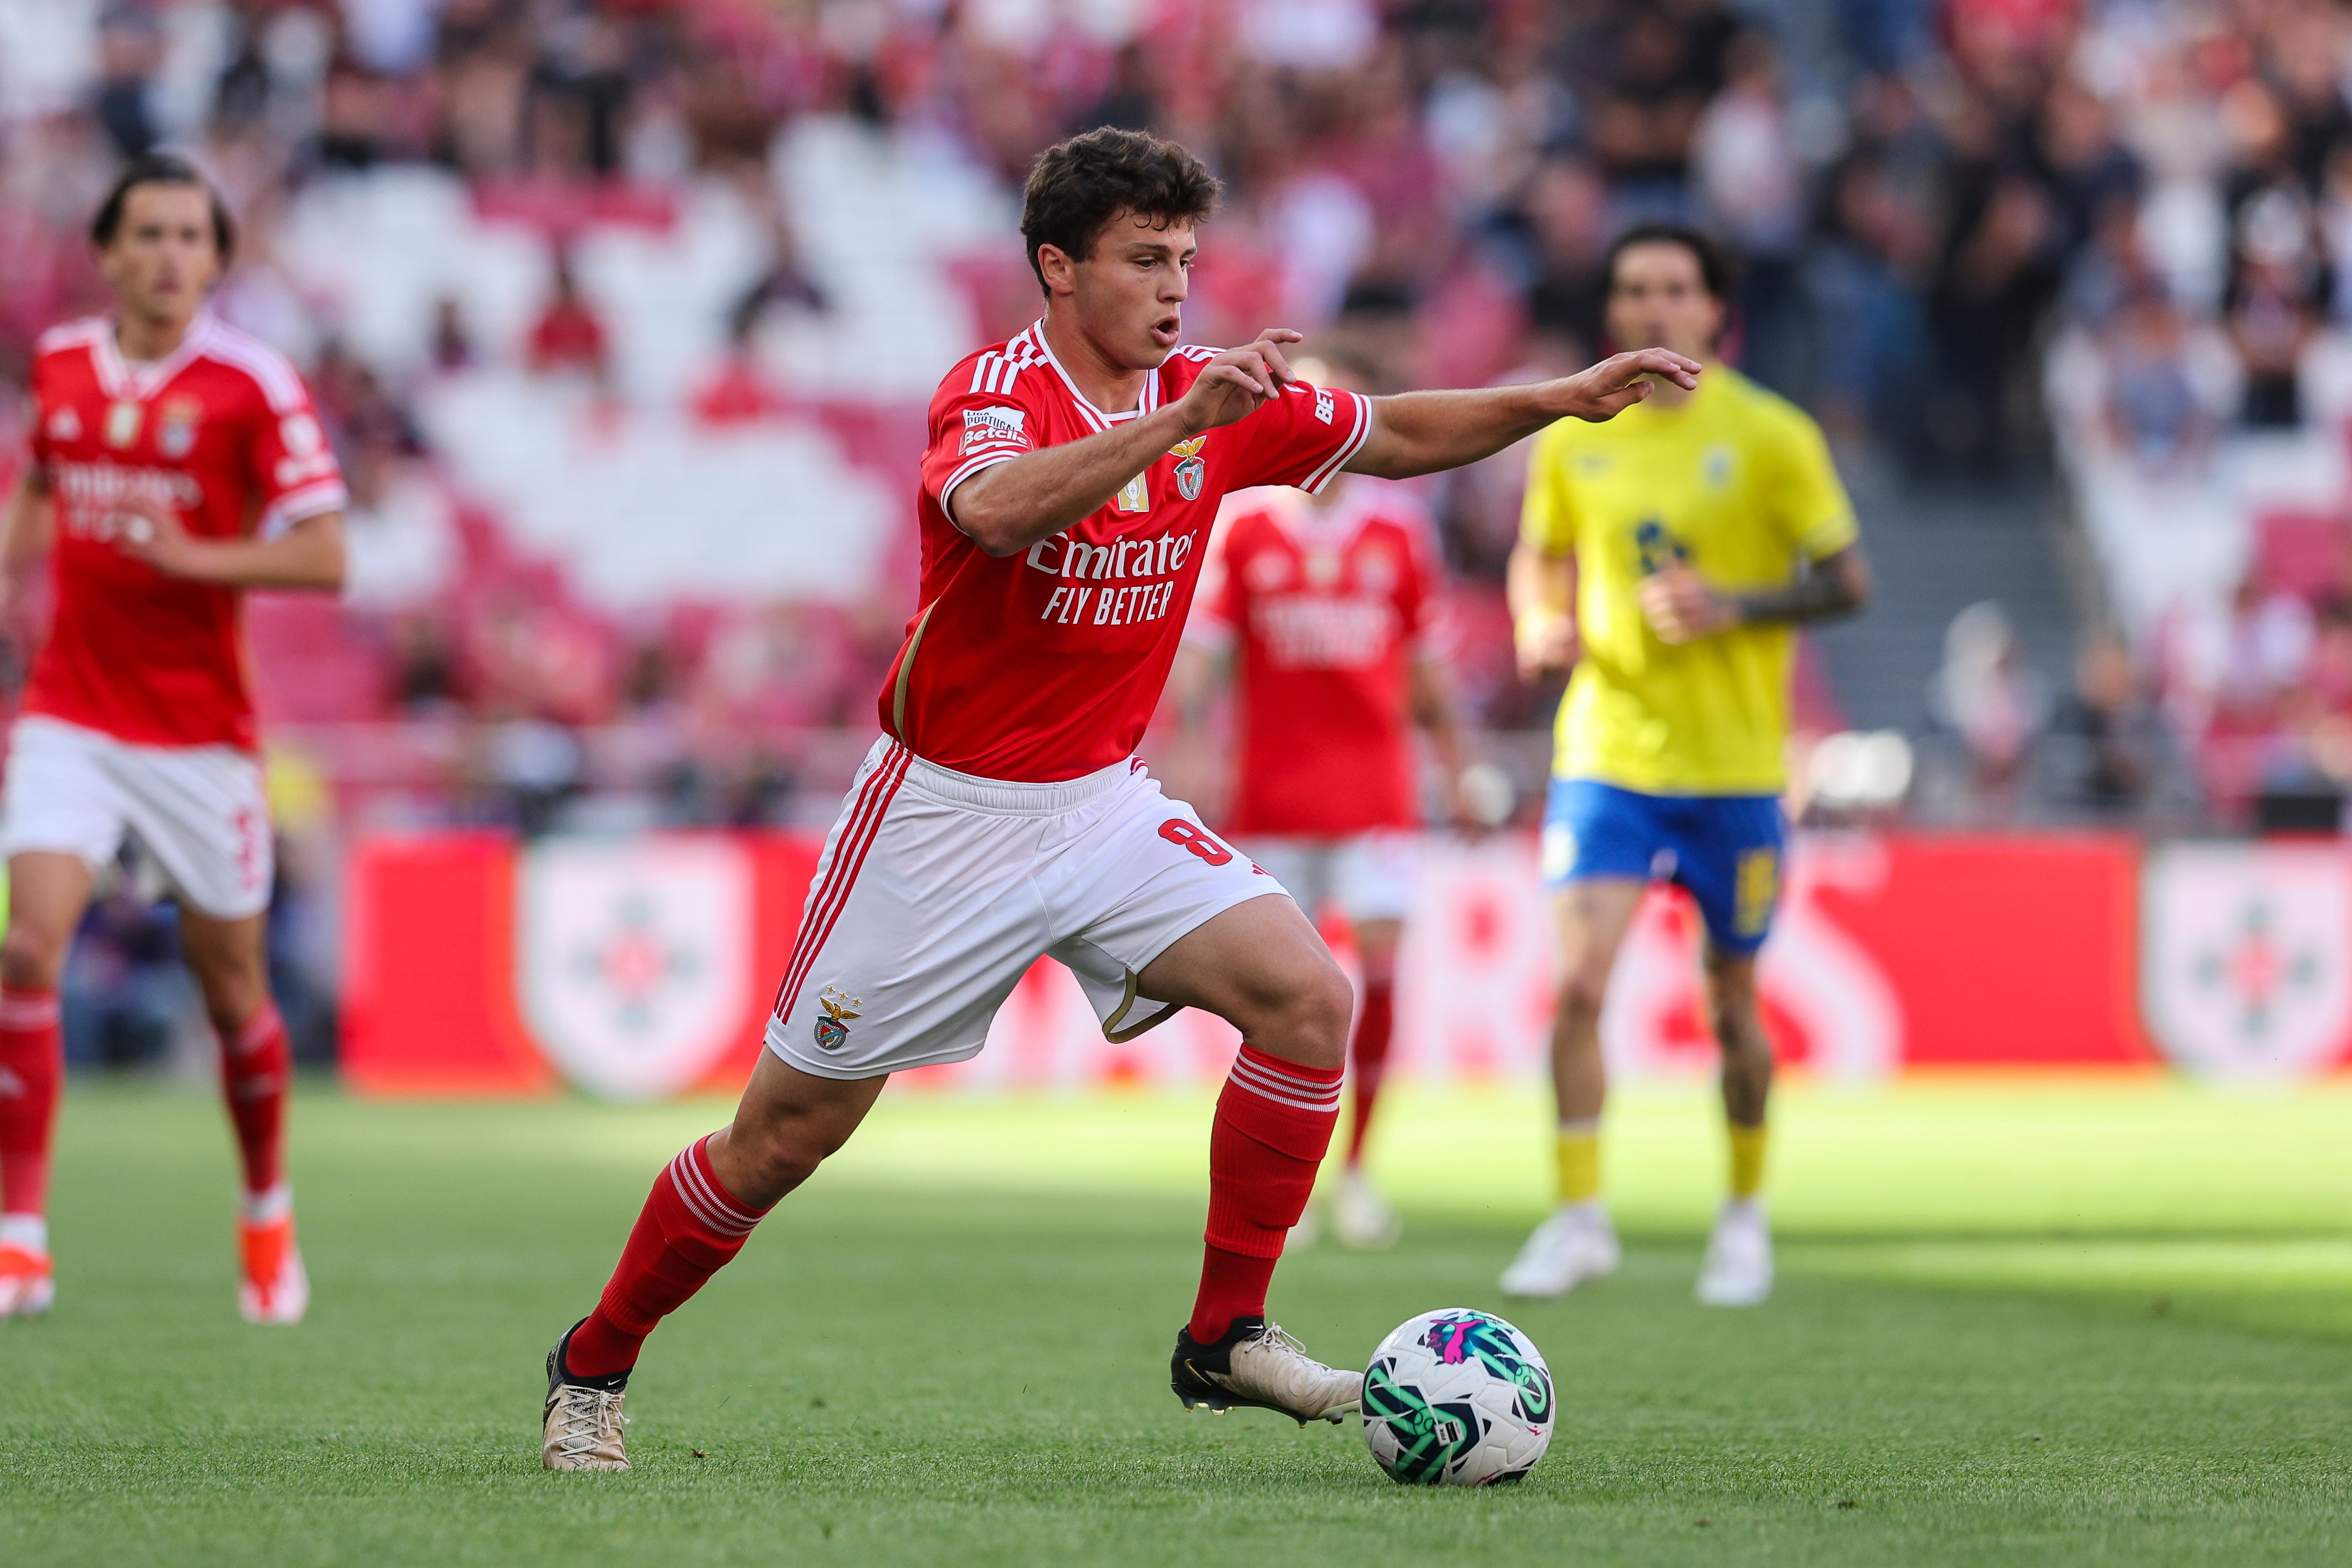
[(1726, 850)]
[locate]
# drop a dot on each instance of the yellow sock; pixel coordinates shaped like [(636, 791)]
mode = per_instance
[(1579, 1152), (1746, 1160)]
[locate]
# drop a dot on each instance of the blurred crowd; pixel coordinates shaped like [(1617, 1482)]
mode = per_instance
[(1934, 203)]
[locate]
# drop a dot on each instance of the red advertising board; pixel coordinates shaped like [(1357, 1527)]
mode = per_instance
[(643, 966)]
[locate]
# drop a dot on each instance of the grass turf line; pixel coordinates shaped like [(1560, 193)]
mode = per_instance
[(953, 1344)]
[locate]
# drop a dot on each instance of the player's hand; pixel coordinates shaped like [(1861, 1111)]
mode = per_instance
[(1618, 382), (1681, 608), (1546, 642), (1239, 382), (147, 531)]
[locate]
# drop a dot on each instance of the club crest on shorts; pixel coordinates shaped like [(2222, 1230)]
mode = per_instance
[(833, 1024)]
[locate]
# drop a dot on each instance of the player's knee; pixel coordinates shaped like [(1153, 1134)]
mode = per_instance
[(782, 1155), (1582, 993), (233, 993), (32, 958), (1308, 1021)]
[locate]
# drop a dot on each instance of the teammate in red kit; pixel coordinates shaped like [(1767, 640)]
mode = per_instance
[(174, 461), (1073, 476), (1327, 605)]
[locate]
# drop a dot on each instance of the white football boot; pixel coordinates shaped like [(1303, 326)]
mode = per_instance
[(1258, 1364), (1360, 1217), (1575, 1242), (1737, 1269), (580, 1428)]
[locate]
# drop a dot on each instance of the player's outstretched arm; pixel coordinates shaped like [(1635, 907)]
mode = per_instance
[(1007, 508), (308, 555), (1429, 431)]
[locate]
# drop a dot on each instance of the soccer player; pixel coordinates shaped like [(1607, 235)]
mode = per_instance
[(1072, 478), (174, 461), (1666, 557), (1327, 605)]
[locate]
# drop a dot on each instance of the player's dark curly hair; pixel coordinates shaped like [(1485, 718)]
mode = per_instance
[(1716, 271), (1076, 187), (162, 169)]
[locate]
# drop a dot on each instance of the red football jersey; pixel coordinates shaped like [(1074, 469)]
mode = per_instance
[(222, 432), (1045, 665), (1324, 608)]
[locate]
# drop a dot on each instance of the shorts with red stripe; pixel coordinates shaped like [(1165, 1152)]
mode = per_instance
[(937, 890)]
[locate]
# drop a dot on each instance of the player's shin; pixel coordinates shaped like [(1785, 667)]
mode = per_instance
[(690, 1228), (257, 1067), (31, 1065), (1369, 1058), (1747, 1149), (1273, 1127)]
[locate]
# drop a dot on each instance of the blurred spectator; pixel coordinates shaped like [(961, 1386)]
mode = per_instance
[(2107, 751), (453, 341), (2156, 407), (2271, 308), (568, 338), (1987, 696)]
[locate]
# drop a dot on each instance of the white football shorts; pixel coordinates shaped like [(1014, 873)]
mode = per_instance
[(937, 890), (1371, 876), (199, 812)]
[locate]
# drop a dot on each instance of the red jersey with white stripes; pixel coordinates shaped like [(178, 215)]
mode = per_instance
[(221, 432), (1045, 665), (1324, 608)]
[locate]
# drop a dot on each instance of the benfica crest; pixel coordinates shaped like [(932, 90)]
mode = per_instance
[(1191, 471), (2243, 951), (635, 960), (835, 1011)]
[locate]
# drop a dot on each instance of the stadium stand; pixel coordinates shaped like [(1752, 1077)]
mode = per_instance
[(623, 314)]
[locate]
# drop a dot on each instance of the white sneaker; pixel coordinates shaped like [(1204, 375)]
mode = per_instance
[(1258, 1364), (1361, 1217), (1575, 1243), (1738, 1272)]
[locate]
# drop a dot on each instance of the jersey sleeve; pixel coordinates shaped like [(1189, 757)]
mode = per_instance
[(975, 426), (1546, 517), (1807, 501), (1304, 437), (295, 471)]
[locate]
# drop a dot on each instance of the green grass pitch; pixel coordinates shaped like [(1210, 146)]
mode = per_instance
[(2019, 1321)]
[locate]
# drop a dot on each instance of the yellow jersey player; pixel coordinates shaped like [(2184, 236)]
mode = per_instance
[(1666, 556)]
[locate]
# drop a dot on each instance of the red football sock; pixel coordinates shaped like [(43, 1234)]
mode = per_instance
[(690, 1228), (1368, 1056), (32, 1061), (256, 1065), (1274, 1124)]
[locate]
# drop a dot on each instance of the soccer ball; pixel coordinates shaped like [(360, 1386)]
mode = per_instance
[(1457, 1398)]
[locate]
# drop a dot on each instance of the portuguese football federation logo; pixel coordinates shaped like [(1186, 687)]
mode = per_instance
[(2243, 968), (832, 1022)]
